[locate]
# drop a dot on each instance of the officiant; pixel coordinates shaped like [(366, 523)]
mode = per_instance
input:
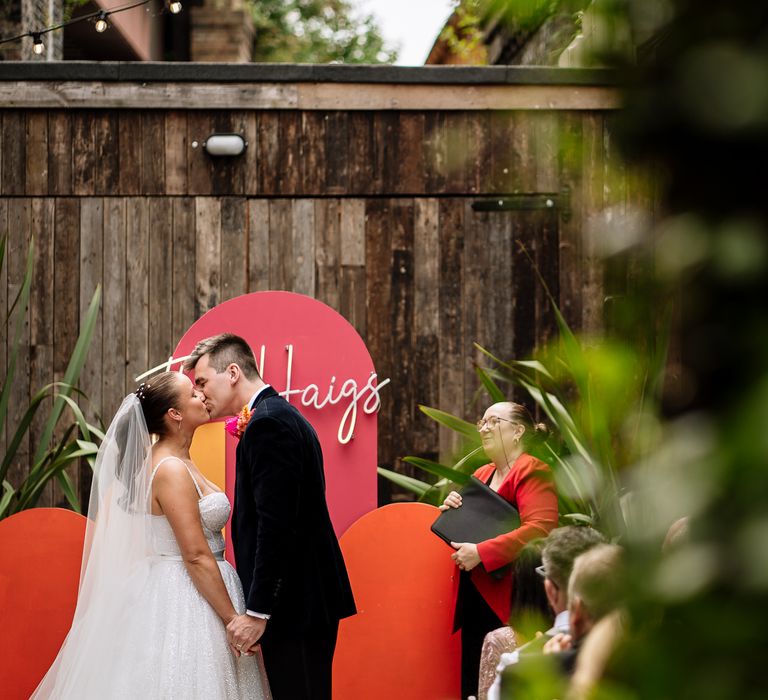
[(483, 600)]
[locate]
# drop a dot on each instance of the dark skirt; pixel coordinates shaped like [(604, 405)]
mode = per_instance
[(475, 618)]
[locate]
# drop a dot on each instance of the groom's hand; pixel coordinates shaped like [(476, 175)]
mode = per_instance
[(243, 632)]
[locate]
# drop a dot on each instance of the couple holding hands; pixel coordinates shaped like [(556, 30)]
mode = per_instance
[(160, 614)]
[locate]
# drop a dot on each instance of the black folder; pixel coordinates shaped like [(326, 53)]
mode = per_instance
[(482, 516)]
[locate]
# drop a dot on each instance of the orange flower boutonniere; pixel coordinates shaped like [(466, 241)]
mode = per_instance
[(237, 424)]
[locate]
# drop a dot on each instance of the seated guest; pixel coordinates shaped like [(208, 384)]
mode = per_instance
[(594, 591), (529, 606), (560, 549)]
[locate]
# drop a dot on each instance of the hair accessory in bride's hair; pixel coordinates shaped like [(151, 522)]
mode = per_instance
[(237, 424), (141, 392)]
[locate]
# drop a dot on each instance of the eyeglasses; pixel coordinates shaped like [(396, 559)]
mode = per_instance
[(541, 571), (492, 422)]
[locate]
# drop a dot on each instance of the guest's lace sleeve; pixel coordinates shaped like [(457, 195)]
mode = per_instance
[(499, 641)]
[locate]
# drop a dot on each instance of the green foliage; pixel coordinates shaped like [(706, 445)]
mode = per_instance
[(78, 439), (316, 31)]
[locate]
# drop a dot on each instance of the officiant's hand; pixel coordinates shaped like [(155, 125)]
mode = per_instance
[(465, 556), (243, 632), (452, 500)]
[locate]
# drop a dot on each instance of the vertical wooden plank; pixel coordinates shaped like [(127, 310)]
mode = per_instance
[(451, 352), (234, 247), (352, 297), (378, 264), (456, 152), (41, 312), (361, 151), (410, 157), (83, 153), (505, 160), (280, 244), (435, 152), (479, 263), (176, 149), (14, 161), (497, 327), (545, 223), (66, 294), (199, 165), (36, 180), (384, 149), (304, 246), (184, 238), (137, 290), (312, 162), (258, 245), (352, 259), (524, 287), (161, 341), (329, 249), (268, 160), (592, 178), (546, 148), (114, 305), (4, 305), (479, 146), (570, 228), (207, 254), (130, 151), (352, 232), (91, 275), (426, 322), (60, 152), (153, 153), (252, 138), (401, 314), (19, 233), (105, 144), (289, 128), (337, 153)]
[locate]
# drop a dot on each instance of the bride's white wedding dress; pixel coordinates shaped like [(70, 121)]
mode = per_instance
[(141, 628), (180, 643)]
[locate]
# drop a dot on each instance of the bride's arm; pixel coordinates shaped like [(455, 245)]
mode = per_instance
[(174, 491)]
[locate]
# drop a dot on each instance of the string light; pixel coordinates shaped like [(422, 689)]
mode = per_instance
[(37, 44), (101, 23)]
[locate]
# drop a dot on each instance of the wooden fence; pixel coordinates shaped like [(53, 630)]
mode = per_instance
[(394, 197)]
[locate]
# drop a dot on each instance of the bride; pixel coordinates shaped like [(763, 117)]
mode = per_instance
[(155, 592)]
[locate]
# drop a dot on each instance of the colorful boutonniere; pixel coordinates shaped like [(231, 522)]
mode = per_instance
[(237, 424)]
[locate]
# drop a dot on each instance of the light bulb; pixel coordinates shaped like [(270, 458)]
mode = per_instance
[(37, 44), (175, 7), (101, 23)]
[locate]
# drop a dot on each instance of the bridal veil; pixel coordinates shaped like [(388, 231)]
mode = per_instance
[(115, 562)]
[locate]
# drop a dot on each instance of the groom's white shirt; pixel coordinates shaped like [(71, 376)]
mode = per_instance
[(252, 613)]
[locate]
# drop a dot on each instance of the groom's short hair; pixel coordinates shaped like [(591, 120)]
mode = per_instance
[(223, 350)]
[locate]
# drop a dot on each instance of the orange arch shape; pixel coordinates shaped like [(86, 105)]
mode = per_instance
[(40, 554), (399, 645)]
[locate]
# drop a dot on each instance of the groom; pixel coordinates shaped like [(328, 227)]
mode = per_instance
[(288, 558)]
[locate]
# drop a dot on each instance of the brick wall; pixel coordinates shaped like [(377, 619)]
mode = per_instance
[(221, 31)]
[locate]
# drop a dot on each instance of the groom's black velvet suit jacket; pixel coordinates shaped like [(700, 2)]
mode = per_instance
[(287, 554)]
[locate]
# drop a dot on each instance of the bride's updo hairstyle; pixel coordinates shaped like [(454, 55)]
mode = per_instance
[(535, 433), (156, 396)]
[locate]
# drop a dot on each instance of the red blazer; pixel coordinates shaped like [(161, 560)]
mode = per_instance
[(529, 487)]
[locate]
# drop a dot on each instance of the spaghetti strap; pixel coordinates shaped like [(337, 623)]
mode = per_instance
[(189, 471)]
